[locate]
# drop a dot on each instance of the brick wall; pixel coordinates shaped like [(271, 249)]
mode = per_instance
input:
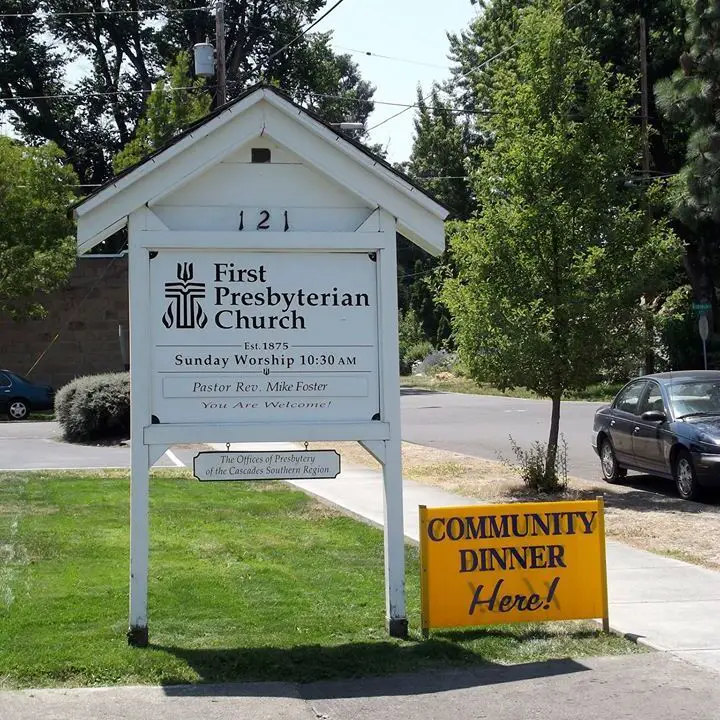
[(86, 312)]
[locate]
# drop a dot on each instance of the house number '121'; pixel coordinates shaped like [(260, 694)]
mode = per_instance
[(264, 222)]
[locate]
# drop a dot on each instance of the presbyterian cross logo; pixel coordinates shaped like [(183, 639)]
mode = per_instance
[(184, 310)]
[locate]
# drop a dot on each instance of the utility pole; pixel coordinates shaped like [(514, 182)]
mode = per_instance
[(220, 51), (645, 122), (644, 110)]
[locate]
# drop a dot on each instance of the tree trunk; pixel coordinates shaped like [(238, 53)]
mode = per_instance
[(649, 338), (554, 435)]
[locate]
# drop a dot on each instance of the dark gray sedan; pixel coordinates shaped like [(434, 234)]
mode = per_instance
[(666, 424)]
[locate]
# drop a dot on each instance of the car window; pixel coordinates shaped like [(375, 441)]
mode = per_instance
[(628, 399), (695, 397), (653, 400), (4, 380), (19, 378)]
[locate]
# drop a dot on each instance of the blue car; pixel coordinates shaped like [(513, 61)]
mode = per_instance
[(667, 424), (18, 395)]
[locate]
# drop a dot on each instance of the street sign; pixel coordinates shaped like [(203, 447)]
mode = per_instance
[(266, 465), (703, 327), (701, 308)]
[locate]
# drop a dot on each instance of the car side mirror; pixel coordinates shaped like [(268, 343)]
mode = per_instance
[(657, 416)]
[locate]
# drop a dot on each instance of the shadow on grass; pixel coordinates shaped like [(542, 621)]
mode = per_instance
[(351, 670), (483, 633)]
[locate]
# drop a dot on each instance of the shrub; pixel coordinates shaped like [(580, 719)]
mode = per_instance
[(410, 334), (414, 354), (530, 466), (95, 407), (437, 361)]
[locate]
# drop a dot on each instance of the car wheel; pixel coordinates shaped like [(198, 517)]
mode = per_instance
[(18, 409), (611, 471), (685, 477)]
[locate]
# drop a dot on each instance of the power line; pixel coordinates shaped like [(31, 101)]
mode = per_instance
[(110, 93), (161, 11), (305, 31), (427, 97), (465, 74), (392, 57)]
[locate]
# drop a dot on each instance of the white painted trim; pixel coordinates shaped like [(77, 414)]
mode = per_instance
[(174, 458), (152, 221), (356, 155), (371, 223), (155, 452), (376, 448), (168, 154), (419, 217), (262, 241), (180, 169), (140, 374), (422, 226), (91, 241), (281, 432), (394, 532)]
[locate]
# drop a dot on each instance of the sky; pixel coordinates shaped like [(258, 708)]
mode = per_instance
[(409, 29)]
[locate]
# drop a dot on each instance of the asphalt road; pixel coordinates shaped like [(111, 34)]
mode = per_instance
[(481, 425), (477, 425), (38, 446)]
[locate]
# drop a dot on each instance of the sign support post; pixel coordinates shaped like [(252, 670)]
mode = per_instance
[(395, 614), (704, 330), (139, 286), (424, 598), (396, 619), (603, 563)]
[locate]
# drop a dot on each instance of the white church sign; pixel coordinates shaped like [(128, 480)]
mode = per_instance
[(264, 337), (263, 302)]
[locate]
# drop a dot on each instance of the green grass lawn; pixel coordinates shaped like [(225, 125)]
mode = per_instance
[(247, 582)]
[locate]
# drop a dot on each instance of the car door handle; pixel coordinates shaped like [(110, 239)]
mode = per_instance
[(637, 429)]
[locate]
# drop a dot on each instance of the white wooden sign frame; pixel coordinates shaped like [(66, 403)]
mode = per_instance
[(379, 437), (200, 184)]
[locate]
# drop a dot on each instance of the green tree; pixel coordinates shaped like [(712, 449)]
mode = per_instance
[(91, 113), (438, 161), (692, 97), (37, 238), (551, 269), (175, 102)]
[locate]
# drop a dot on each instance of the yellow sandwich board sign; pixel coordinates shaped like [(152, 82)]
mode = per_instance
[(525, 562)]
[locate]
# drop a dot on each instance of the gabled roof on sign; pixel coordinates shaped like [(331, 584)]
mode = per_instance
[(279, 99)]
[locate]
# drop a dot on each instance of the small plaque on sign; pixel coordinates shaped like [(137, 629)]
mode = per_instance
[(266, 465)]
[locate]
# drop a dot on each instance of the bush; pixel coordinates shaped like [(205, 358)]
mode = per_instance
[(410, 335), (414, 354), (530, 466), (95, 407), (437, 361)]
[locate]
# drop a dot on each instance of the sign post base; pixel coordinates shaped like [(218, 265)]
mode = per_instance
[(138, 637), (398, 628)]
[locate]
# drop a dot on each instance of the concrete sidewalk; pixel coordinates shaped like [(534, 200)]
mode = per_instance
[(667, 604)]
